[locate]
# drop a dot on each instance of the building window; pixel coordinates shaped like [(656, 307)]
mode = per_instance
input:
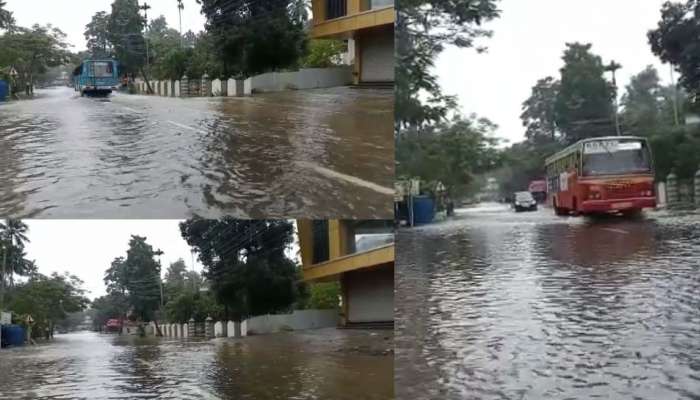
[(321, 245), (336, 8), (373, 4)]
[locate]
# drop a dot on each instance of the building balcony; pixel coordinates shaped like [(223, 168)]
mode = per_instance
[(339, 18)]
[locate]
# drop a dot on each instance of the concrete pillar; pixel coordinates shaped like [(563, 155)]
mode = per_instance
[(661, 199), (672, 189), (176, 89), (205, 89), (184, 86), (230, 329), (217, 88), (696, 184), (185, 329), (190, 328), (248, 87), (209, 328)]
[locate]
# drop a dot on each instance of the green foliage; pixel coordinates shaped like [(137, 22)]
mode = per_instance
[(137, 277), (124, 33), (539, 115), (423, 29), (257, 36), (675, 40), (32, 50), (6, 18), (584, 103), (524, 162), (13, 237), (324, 295), (451, 152), (113, 305), (97, 36), (245, 263), (48, 299), (324, 53), (192, 304)]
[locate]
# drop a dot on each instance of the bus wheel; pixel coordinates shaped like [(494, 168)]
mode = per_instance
[(558, 210)]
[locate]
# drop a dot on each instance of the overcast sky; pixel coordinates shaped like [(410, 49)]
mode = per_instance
[(528, 44), (86, 248), (71, 16)]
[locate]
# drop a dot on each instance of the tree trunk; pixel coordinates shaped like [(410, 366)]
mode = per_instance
[(158, 331), (149, 90)]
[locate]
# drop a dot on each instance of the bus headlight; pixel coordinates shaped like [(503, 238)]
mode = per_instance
[(594, 196)]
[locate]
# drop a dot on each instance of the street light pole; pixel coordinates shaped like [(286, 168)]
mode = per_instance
[(612, 67), (180, 7), (145, 7)]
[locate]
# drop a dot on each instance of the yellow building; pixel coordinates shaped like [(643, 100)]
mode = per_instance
[(369, 25), (358, 254)]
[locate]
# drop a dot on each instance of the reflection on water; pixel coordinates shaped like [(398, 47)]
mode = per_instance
[(323, 364), (145, 156), (503, 305)]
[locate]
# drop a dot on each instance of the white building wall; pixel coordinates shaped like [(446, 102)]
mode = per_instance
[(298, 320), (370, 295)]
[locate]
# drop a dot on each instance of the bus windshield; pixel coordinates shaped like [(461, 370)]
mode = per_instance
[(616, 157), (102, 69)]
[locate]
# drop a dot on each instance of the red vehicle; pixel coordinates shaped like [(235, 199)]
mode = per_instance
[(602, 175), (538, 190), (113, 325)]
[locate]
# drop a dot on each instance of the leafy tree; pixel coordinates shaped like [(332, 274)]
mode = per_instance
[(584, 105), (245, 263), (253, 37), (31, 51), (137, 277), (324, 53), (125, 33), (423, 29), (114, 305), (97, 35), (13, 236), (6, 19), (675, 41), (538, 115), (192, 304), (324, 295), (452, 153), (48, 299)]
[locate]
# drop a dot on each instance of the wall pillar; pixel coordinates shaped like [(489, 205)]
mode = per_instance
[(190, 328), (206, 86), (661, 199), (209, 328), (185, 86), (696, 184), (672, 189)]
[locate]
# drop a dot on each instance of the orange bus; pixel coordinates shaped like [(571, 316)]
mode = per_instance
[(602, 175)]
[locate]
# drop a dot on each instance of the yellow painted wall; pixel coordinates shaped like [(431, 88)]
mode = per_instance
[(380, 256), (355, 20)]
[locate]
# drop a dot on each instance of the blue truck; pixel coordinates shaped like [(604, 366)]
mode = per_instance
[(96, 77)]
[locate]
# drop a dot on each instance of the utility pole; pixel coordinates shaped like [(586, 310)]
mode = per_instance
[(2, 278), (145, 7), (675, 96), (612, 67), (180, 7)]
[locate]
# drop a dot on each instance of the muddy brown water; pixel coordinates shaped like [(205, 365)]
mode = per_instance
[(317, 153), (320, 364), (498, 305)]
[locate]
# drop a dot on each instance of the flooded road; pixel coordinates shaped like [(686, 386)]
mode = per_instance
[(498, 305), (319, 364), (314, 154)]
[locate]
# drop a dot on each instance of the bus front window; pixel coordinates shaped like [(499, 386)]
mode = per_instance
[(616, 158), (102, 69)]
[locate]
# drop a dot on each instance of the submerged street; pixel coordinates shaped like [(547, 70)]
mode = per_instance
[(317, 364), (499, 305), (312, 154)]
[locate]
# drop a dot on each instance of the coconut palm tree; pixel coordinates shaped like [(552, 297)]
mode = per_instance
[(6, 19), (14, 236)]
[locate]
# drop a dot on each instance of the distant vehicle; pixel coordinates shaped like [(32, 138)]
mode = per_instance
[(523, 201), (96, 77), (601, 176), (113, 325), (538, 189)]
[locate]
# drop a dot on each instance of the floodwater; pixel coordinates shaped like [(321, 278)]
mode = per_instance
[(498, 305), (319, 364), (313, 153)]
